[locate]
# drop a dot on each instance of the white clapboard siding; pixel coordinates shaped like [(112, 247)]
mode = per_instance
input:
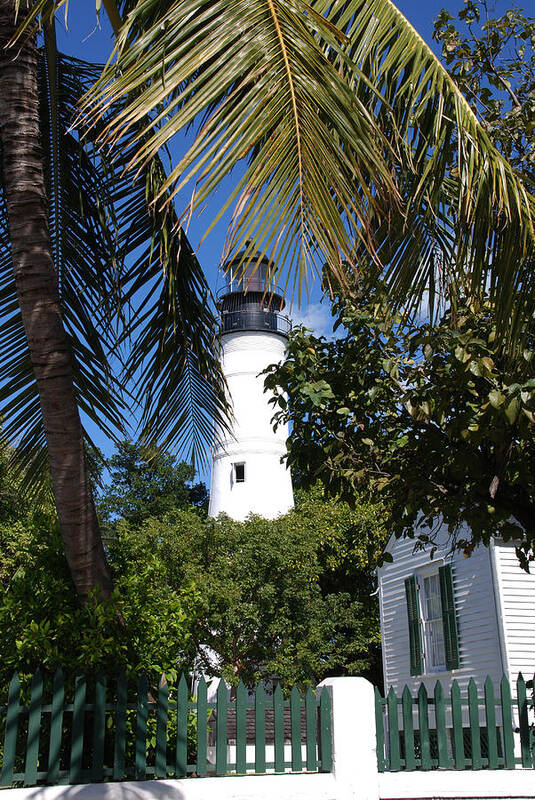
[(517, 597), (479, 644)]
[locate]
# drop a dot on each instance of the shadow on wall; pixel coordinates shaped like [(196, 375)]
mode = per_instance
[(311, 786), (139, 790)]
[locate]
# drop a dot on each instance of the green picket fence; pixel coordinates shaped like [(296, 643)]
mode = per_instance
[(467, 730), (102, 730)]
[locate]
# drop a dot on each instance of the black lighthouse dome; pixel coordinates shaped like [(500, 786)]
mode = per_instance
[(248, 302)]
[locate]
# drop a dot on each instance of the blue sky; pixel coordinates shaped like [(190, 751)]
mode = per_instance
[(87, 39)]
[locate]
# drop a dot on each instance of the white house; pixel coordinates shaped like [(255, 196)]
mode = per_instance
[(455, 617)]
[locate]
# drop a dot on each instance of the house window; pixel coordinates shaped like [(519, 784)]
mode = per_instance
[(239, 472), (433, 637), (433, 627)]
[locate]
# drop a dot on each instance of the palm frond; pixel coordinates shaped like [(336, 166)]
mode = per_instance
[(168, 326), (331, 104), (82, 247), (170, 330), (255, 77), (112, 252), (444, 157), (311, 186)]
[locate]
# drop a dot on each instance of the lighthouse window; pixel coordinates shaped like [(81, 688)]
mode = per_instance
[(239, 472)]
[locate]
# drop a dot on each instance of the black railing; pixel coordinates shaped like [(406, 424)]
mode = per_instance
[(256, 321)]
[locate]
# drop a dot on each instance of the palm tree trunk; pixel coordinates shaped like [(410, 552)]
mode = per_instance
[(38, 296)]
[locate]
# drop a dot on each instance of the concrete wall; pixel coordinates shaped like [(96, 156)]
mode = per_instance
[(282, 787)]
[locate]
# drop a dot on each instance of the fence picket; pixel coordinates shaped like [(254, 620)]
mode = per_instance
[(202, 724), (475, 733), (310, 714), (56, 727), (408, 730), (326, 731), (507, 720), (141, 728), (120, 728), (440, 721), (10, 736), (457, 726), (295, 725), (525, 749), (260, 729), (490, 717), (181, 753), (99, 729), (278, 728), (477, 736), (77, 734), (221, 729), (86, 757), (241, 729), (393, 730), (423, 723), (380, 731), (34, 728), (160, 761)]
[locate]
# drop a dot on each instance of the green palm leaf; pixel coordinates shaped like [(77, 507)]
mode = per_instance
[(168, 330), (255, 77), (270, 81), (110, 251), (449, 173), (83, 249), (338, 109)]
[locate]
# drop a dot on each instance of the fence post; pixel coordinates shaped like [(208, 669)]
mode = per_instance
[(354, 745)]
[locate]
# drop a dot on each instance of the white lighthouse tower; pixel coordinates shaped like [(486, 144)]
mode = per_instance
[(247, 473)]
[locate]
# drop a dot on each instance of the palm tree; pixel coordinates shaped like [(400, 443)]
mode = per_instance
[(69, 219), (336, 106), (354, 139)]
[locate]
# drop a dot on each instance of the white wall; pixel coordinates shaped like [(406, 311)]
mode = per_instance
[(476, 616), (265, 787), (267, 489), (517, 597), (487, 784)]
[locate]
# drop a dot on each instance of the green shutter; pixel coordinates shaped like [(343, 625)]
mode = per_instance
[(449, 617), (415, 636)]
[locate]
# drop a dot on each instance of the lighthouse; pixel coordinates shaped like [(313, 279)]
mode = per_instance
[(248, 473)]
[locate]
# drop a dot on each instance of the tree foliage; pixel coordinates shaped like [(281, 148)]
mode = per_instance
[(493, 62), (144, 482), (290, 597), (133, 297), (327, 107), (44, 626), (436, 419)]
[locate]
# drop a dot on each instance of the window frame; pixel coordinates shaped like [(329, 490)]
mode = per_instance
[(426, 623), (420, 644), (235, 466)]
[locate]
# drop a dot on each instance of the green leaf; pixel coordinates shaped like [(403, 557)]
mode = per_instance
[(512, 410), (496, 398)]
